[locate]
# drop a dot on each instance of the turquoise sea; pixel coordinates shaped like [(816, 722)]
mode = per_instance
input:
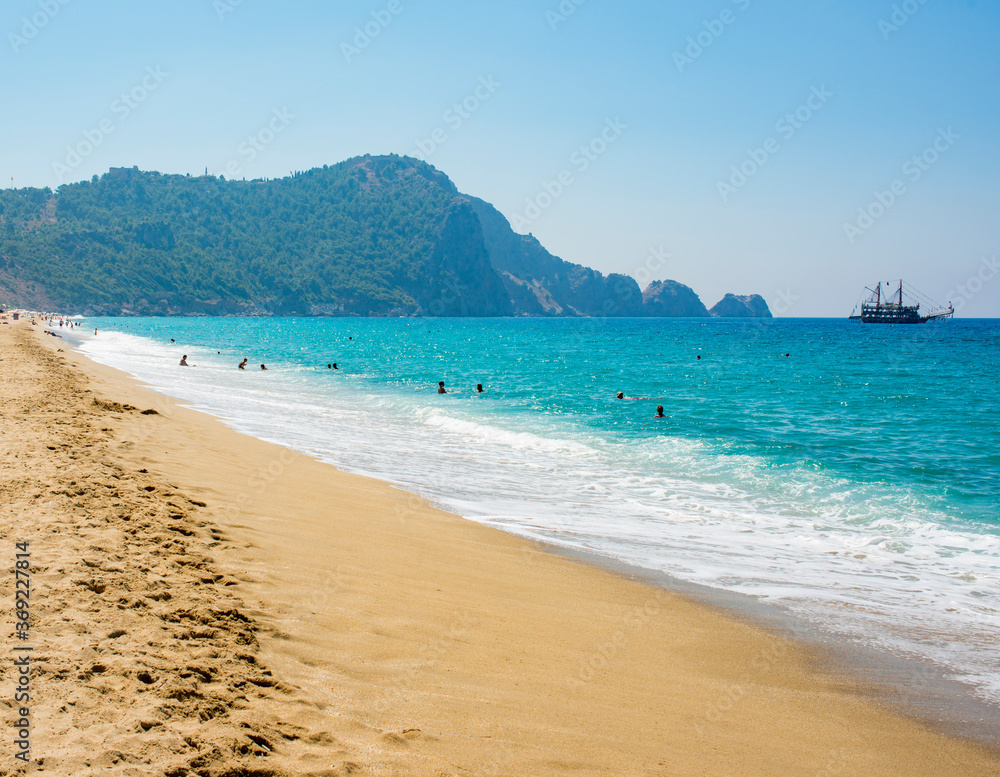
[(847, 473)]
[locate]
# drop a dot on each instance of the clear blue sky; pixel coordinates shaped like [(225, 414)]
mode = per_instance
[(667, 97)]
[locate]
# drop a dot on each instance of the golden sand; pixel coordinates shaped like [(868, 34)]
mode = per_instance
[(205, 603)]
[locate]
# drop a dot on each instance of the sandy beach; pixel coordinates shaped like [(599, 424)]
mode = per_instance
[(204, 603)]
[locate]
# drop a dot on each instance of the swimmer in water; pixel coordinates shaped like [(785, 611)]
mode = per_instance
[(263, 367), (441, 388), (184, 361), (242, 365), (479, 388), (659, 412)]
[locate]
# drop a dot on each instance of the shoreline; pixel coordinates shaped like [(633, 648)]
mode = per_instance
[(920, 689), (926, 690), (600, 654)]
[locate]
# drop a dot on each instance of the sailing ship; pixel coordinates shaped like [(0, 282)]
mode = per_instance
[(892, 308)]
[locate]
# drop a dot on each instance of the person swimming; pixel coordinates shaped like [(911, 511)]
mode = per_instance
[(263, 367), (479, 388), (243, 364), (441, 388), (184, 361), (659, 412)]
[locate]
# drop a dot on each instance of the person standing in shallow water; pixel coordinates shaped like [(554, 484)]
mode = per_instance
[(441, 388), (243, 364)]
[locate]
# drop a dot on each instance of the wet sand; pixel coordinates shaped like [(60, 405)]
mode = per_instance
[(207, 603)]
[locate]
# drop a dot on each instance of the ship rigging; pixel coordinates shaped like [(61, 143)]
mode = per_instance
[(895, 308)]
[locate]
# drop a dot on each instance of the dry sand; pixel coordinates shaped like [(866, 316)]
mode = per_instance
[(206, 603)]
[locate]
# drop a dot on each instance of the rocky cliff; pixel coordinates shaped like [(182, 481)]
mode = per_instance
[(671, 299), (735, 306)]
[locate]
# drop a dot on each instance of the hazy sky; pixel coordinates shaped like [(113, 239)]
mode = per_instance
[(797, 149)]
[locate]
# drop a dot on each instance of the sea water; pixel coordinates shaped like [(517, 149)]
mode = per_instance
[(848, 473)]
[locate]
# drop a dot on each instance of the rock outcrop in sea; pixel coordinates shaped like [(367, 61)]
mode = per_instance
[(735, 306)]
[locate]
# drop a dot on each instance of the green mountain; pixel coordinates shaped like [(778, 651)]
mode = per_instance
[(387, 236)]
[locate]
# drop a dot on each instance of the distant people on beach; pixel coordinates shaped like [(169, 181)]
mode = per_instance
[(441, 388), (184, 361), (659, 412), (242, 365)]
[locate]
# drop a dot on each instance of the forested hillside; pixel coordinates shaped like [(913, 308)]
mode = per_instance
[(371, 235), (382, 235)]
